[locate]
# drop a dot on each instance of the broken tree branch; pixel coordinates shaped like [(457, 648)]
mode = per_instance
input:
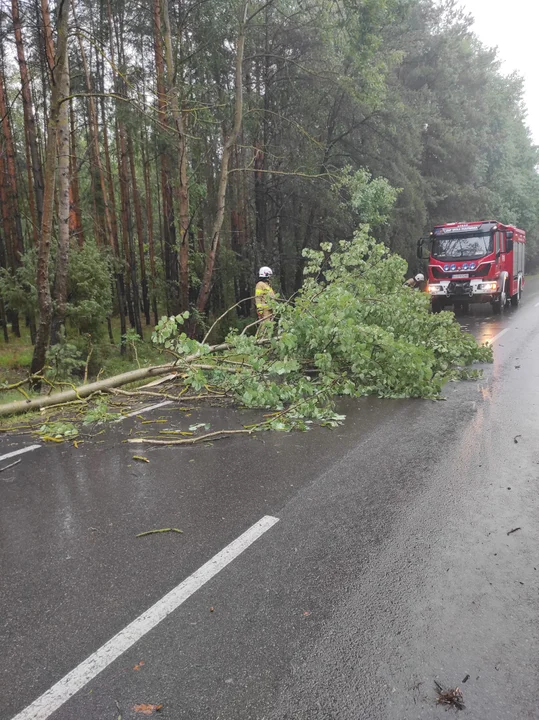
[(191, 441), (10, 465), (162, 530)]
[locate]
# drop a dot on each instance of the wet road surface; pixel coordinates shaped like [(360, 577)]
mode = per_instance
[(386, 565)]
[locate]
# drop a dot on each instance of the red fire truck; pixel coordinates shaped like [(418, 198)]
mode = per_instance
[(474, 262)]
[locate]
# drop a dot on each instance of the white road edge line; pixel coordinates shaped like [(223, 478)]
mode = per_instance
[(491, 341), (26, 449), (58, 694)]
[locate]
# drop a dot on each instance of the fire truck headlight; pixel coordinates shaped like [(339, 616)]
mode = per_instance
[(434, 288), (489, 286)]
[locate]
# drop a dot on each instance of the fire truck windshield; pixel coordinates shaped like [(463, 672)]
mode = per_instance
[(463, 247)]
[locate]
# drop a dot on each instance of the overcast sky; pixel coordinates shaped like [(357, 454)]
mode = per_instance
[(511, 26)]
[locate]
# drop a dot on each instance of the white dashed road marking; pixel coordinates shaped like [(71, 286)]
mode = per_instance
[(20, 451), (50, 701)]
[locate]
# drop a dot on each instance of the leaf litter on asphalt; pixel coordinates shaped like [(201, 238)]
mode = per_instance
[(450, 698), (147, 708)]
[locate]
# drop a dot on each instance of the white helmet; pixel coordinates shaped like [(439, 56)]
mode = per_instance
[(265, 272), (419, 277)]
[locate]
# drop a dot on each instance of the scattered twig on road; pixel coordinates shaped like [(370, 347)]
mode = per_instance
[(191, 441), (467, 677), (515, 439), (10, 465), (119, 710), (451, 698), (162, 530), (141, 458), (513, 530)]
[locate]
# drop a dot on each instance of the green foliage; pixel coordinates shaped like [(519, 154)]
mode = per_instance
[(18, 289), (168, 336), (89, 299), (63, 359), (60, 430), (342, 104), (132, 339), (100, 413), (371, 199), (13, 358), (353, 330)]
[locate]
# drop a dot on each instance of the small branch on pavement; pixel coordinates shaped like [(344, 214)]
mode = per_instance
[(191, 441), (162, 530), (10, 466)]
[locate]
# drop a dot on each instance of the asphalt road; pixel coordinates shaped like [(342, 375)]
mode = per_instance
[(387, 565)]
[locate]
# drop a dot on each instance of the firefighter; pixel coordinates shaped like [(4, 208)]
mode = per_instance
[(263, 293), (417, 282)]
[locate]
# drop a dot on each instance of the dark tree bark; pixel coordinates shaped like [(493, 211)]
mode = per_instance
[(29, 118), (59, 93)]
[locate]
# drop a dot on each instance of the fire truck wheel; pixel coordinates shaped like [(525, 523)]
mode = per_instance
[(499, 305), (515, 300)]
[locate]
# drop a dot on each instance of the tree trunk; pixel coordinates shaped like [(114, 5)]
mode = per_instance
[(75, 213), (207, 278), (170, 255), (127, 227), (62, 252), (11, 214), (123, 280), (3, 320), (149, 224), (182, 184), (47, 33), (93, 127), (111, 228), (21, 406), (140, 230), (29, 118), (60, 91)]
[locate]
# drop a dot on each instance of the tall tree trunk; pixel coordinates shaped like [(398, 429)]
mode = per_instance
[(182, 183), (140, 230), (59, 93), (47, 33), (10, 180), (29, 118), (170, 255), (3, 320), (109, 209), (260, 175), (62, 252), (123, 280), (127, 231), (207, 278), (149, 224), (108, 200), (3, 263), (75, 212)]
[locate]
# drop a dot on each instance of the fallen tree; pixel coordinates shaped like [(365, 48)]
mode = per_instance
[(353, 329), (82, 391)]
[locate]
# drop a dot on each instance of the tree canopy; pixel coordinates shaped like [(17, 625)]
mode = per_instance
[(153, 155)]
